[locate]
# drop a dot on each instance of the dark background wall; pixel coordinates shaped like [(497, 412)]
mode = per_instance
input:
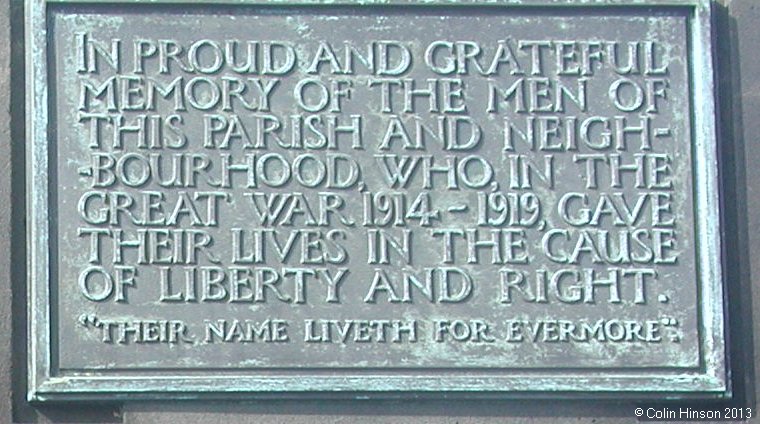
[(738, 60)]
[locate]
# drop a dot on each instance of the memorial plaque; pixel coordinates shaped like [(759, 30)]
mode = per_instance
[(253, 199)]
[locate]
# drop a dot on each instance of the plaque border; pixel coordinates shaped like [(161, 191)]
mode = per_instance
[(710, 380)]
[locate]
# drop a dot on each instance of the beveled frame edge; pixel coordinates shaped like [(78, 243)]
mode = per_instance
[(712, 380), (37, 198), (710, 250)]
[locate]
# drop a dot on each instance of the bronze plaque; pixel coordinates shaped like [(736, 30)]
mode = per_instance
[(257, 199)]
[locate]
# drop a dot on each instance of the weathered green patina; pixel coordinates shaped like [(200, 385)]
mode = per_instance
[(221, 335)]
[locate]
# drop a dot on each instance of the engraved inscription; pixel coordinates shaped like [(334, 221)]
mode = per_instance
[(337, 190)]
